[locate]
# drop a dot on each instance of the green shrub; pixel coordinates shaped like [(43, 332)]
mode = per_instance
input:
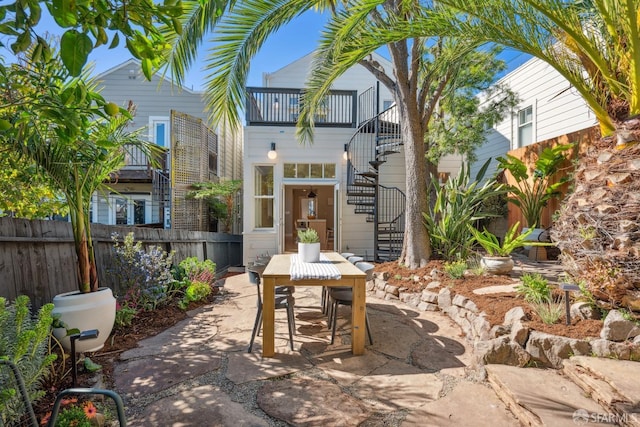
[(24, 340), (458, 204), (195, 280), (144, 276), (455, 269), (124, 314), (199, 271), (196, 291), (534, 288)]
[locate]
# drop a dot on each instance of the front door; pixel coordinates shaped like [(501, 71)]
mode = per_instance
[(295, 207)]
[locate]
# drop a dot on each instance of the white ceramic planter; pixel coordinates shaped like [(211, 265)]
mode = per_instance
[(497, 264), (93, 310), (309, 252)]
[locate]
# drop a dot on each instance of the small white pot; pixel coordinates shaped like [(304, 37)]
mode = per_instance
[(497, 264), (309, 252)]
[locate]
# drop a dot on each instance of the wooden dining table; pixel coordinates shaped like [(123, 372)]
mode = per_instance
[(278, 272)]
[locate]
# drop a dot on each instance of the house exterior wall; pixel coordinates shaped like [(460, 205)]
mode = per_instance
[(154, 100), (557, 109), (354, 233)]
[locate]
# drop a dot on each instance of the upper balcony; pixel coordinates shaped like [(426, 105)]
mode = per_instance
[(281, 107)]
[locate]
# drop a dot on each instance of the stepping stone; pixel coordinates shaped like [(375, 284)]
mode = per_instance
[(467, 404), (156, 373), (612, 383), (541, 397), (311, 402), (201, 406), (245, 367), (498, 289)]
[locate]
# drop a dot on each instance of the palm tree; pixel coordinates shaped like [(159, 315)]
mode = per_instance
[(66, 129), (595, 45), (424, 74)]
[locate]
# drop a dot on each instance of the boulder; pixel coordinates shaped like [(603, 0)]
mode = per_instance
[(501, 351), (550, 350), (617, 328)]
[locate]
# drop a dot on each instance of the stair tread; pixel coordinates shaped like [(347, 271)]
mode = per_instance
[(611, 380), (552, 402)]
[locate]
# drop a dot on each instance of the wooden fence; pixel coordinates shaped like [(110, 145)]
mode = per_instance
[(37, 258), (529, 154)]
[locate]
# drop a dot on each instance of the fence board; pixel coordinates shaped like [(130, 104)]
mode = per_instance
[(37, 258), (583, 139)]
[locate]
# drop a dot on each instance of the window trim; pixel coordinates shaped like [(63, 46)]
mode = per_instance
[(256, 197), (519, 126)]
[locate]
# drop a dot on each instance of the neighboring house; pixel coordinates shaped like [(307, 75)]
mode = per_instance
[(356, 162), (549, 107), (175, 119)]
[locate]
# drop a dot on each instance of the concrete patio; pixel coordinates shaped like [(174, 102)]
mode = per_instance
[(419, 371)]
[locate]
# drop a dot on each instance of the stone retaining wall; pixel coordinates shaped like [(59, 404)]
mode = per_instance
[(513, 343)]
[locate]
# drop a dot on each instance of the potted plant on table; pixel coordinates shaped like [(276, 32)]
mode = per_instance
[(65, 128), (308, 245), (533, 189), (498, 259)]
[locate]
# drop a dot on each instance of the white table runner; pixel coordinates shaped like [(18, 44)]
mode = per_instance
[(324, 269)]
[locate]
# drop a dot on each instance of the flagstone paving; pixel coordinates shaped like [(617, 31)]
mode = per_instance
[(419, 371)]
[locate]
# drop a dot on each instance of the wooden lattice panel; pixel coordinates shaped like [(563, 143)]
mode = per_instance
[(191, 143)]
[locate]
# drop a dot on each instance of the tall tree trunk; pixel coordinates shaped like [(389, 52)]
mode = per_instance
[(416, 249)]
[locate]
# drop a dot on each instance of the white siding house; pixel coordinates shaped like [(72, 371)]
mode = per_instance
[(276, 188), (144, 195), (549, 107)]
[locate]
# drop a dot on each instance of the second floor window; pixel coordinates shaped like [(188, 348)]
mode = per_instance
[(159, 128), (525, 126)]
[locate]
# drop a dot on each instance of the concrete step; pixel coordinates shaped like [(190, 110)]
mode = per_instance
[(612, 383), (544, 397)]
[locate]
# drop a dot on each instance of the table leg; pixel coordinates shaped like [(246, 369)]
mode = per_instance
[(268, 317), (358, 317)]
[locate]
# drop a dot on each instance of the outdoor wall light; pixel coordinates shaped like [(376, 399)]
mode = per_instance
[(345, 153), (272, 153)]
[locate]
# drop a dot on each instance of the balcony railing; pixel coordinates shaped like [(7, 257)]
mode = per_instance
[(281, 107)]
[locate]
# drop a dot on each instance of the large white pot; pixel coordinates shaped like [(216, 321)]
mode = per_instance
[(92, 310), (497, 264), (309, 252)]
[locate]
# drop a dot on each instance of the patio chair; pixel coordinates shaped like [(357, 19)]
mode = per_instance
[(284, 300), (344, 296)]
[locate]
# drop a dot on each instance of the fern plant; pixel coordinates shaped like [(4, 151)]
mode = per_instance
[(24, 340)]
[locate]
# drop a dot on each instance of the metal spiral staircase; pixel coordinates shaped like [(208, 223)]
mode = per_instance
[(377, 137)]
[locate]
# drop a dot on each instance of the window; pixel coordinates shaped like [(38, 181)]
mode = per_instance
[(130, 210), (310, 170), (525, 126), (160, 131), (264, 200)]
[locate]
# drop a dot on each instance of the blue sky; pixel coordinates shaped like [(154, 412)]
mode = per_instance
[(288, 44)]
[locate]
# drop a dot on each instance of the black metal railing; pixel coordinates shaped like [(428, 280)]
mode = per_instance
[(281, 107), (376, 138)]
